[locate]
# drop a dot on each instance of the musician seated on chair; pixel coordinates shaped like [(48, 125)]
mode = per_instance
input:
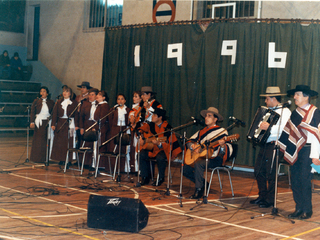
[(217, 154), (156, 144), (265, 176)]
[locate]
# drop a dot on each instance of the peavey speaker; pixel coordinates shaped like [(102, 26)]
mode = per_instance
[(115, 213)]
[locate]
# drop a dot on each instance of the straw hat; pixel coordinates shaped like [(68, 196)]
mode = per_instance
[(212, 110), (273, 91)]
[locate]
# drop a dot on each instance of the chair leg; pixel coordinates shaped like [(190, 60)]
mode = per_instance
[(115, 168), (84, 156), (96, 172), (151, 171), (110, 171), (208, 190), (218, 172), (230, 183), (66, 163)]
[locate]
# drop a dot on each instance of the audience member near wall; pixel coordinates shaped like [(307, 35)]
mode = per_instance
[(5, 68), (16, 67)]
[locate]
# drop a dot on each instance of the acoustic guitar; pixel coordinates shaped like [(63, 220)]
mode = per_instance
[(148, 142), (192, 156)]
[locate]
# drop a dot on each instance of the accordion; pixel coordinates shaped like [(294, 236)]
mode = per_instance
[(263, 114)]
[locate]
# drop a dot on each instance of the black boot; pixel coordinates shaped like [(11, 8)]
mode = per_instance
[(198, 193), (145, 181), (161, 180)]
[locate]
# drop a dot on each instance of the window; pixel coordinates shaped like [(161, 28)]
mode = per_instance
[(12, 15), (225, 9), (103, 13)]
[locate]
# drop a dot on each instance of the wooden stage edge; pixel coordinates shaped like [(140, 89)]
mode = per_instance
[(39, 202)]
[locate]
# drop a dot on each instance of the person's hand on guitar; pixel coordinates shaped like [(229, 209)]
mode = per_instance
[(142, 141), (222, 143), (146, 104), (155, 142), (195, 148)]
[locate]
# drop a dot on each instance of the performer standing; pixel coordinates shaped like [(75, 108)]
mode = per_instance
[(61, 111), (84, 89), (86, 119), (220, 153), (102, 110), (136, 117), (39, 119), (160, 150), (265, 176), (150, 103), (300, 144), (118, 121)]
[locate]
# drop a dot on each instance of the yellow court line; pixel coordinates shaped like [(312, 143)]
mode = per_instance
[(48, 224), (299, 234)]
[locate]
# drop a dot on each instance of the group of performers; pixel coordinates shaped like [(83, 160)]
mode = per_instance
[(296, 134), (298, 138)]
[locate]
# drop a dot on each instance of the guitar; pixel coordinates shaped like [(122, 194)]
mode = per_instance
[(192, 156), (149, 144)]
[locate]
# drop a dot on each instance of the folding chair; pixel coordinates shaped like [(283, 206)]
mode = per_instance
[(90, 136), (227, 168)]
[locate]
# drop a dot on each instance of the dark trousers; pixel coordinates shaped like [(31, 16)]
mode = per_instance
[(161, 160), (196, 174), (301, 177), (265, 176)]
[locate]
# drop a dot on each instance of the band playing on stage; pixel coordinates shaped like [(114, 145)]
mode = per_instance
[(141, 138)]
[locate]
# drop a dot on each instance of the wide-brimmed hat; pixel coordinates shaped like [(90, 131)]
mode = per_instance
[(212, 110), (147, 89), (273, 91), (160, 112), (84, 84), (303, 88)]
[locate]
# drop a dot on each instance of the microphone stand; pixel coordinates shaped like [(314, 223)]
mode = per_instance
[(169, 166), (47, 148), (138, 184), (181, 172), (28, 130), (275, 211), (205, 197)]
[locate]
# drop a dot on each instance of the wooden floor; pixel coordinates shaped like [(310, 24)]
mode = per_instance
[(39, 202)]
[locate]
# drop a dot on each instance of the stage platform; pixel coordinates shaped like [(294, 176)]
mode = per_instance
[(43, 202)]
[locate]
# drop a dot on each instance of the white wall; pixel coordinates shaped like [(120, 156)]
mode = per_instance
[(69, 53)]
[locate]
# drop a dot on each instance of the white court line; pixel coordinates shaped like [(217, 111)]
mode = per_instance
[(47, 216), (9, 237), (136, 194), (224, 223), (47, 199)]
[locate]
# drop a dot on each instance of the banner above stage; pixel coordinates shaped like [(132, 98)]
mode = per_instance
[(227, 66)]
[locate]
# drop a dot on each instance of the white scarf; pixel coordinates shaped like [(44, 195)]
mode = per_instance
[(43, 115), (121, 116), (92, 110), (65, 103)]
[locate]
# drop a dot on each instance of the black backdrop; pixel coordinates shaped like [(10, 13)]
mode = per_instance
[(206, 78)]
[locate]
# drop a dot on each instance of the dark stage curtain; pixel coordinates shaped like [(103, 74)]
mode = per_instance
[(206, 78)]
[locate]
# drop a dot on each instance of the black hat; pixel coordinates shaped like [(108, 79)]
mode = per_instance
[(16, 54), (84, 84), (160, 112), (303, 88)]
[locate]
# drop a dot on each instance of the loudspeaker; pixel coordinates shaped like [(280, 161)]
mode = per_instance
[(115, 213)]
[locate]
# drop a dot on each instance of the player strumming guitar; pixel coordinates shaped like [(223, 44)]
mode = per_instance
[(217, 156)]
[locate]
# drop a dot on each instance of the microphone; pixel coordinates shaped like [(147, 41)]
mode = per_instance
[(198, 121), (236, 120), (286, 104), (118, 105)]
